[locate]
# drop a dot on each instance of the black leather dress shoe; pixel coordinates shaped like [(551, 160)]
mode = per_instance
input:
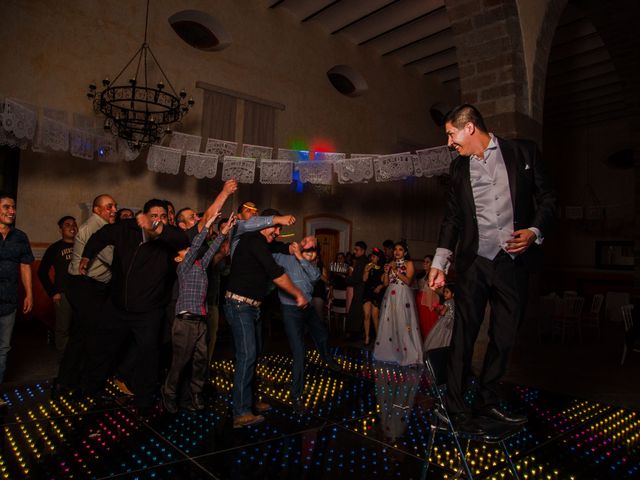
[(495, 413), (462, 422)]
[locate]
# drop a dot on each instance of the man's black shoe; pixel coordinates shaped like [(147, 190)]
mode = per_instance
[(462, 422), (197, 403), (494, 413), (169, 403), (495, 431)]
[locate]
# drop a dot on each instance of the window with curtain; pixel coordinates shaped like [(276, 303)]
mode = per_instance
[(238, 117)]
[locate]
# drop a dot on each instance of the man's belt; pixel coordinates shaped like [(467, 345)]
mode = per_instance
[(191, 316), (239, 298)]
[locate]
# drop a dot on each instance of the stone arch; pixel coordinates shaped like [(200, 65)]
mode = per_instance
[(554, 11), (490, 53)]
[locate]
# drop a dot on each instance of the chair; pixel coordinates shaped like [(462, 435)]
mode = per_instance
[(337, 307), (435, 362), (613, 302), (591, 319), (631, 340), (568, 317)]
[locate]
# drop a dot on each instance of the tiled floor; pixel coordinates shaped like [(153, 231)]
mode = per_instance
[(369, 421)]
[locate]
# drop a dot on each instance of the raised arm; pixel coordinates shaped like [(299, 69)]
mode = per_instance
[(230, 186)]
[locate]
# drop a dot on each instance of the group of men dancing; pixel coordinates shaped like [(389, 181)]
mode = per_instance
[(121, 276)]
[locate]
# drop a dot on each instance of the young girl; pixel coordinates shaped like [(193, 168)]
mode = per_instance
[(398, 339), (440, 335), (427, 300)]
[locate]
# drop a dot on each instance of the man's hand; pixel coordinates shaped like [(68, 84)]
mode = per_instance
[(295, 250), (82, 267), (228, 225), (230, 186), (301, 301), (436, 278), (284, 219), (152, 229), (56, 298), (28, 304), (520, 241), (212, 219)]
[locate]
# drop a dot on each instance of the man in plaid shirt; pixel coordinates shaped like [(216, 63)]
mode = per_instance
[(189, 330)]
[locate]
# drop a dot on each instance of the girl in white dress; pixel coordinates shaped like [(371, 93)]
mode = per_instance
[(399, 339)]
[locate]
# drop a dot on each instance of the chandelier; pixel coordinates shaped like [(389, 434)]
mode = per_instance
[(137, 111)]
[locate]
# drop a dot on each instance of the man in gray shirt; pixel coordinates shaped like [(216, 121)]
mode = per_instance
[(86, 293), (498, 208)]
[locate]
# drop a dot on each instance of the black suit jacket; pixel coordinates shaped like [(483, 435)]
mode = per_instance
[(531, 196)]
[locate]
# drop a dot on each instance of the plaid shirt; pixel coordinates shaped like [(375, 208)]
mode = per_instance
[(192, 276)]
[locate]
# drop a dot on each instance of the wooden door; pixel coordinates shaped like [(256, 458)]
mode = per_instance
[(329, 243)]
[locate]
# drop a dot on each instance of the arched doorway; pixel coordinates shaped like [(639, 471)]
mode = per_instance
[(333, 234)]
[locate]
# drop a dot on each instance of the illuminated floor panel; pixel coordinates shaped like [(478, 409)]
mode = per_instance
[(369, 421)]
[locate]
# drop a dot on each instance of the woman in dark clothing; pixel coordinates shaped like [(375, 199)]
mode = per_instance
[(373, 292)]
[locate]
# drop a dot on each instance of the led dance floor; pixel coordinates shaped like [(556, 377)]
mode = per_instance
[(369, 421)]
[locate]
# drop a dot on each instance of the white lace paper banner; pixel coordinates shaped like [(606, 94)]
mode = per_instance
[(361, 155), (274, 172), (84, 122), (315, 172), (257, 151), (185, 143), (328, 156), (354, 170), (164, 159), (432, 161), (393, 167), (220, 148), (201, 165), (53, 134), (239, 168), (81, 144), (19, 119), (292, 155)]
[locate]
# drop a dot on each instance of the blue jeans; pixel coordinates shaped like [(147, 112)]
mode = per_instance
[(6, 329), (246, 327), (296, 321)]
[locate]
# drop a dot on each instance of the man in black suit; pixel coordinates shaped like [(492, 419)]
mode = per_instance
[(498, 208)]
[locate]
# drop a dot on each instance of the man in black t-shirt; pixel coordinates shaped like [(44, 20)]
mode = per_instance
[(252, 270), (58, 255)]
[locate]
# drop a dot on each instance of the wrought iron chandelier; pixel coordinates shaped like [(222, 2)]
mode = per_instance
[(135, 111)]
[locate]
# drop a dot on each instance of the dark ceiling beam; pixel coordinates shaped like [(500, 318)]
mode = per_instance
[(584, 95), (574, 48), (402, 25), (326, 7), (422, 39), (594, 82), (430, 56), (357, 20), (581, 75), (276, 3), (595, 57), (595, 99)]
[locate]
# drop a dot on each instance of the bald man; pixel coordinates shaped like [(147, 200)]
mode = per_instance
[(86, 293)]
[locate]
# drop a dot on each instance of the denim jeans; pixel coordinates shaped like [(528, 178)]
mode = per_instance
[(6, 329), (296, 321), (246, 327)]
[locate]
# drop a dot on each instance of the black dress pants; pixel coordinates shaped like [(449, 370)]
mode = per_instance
[(87, 297), (116, 327), (502, 283)]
